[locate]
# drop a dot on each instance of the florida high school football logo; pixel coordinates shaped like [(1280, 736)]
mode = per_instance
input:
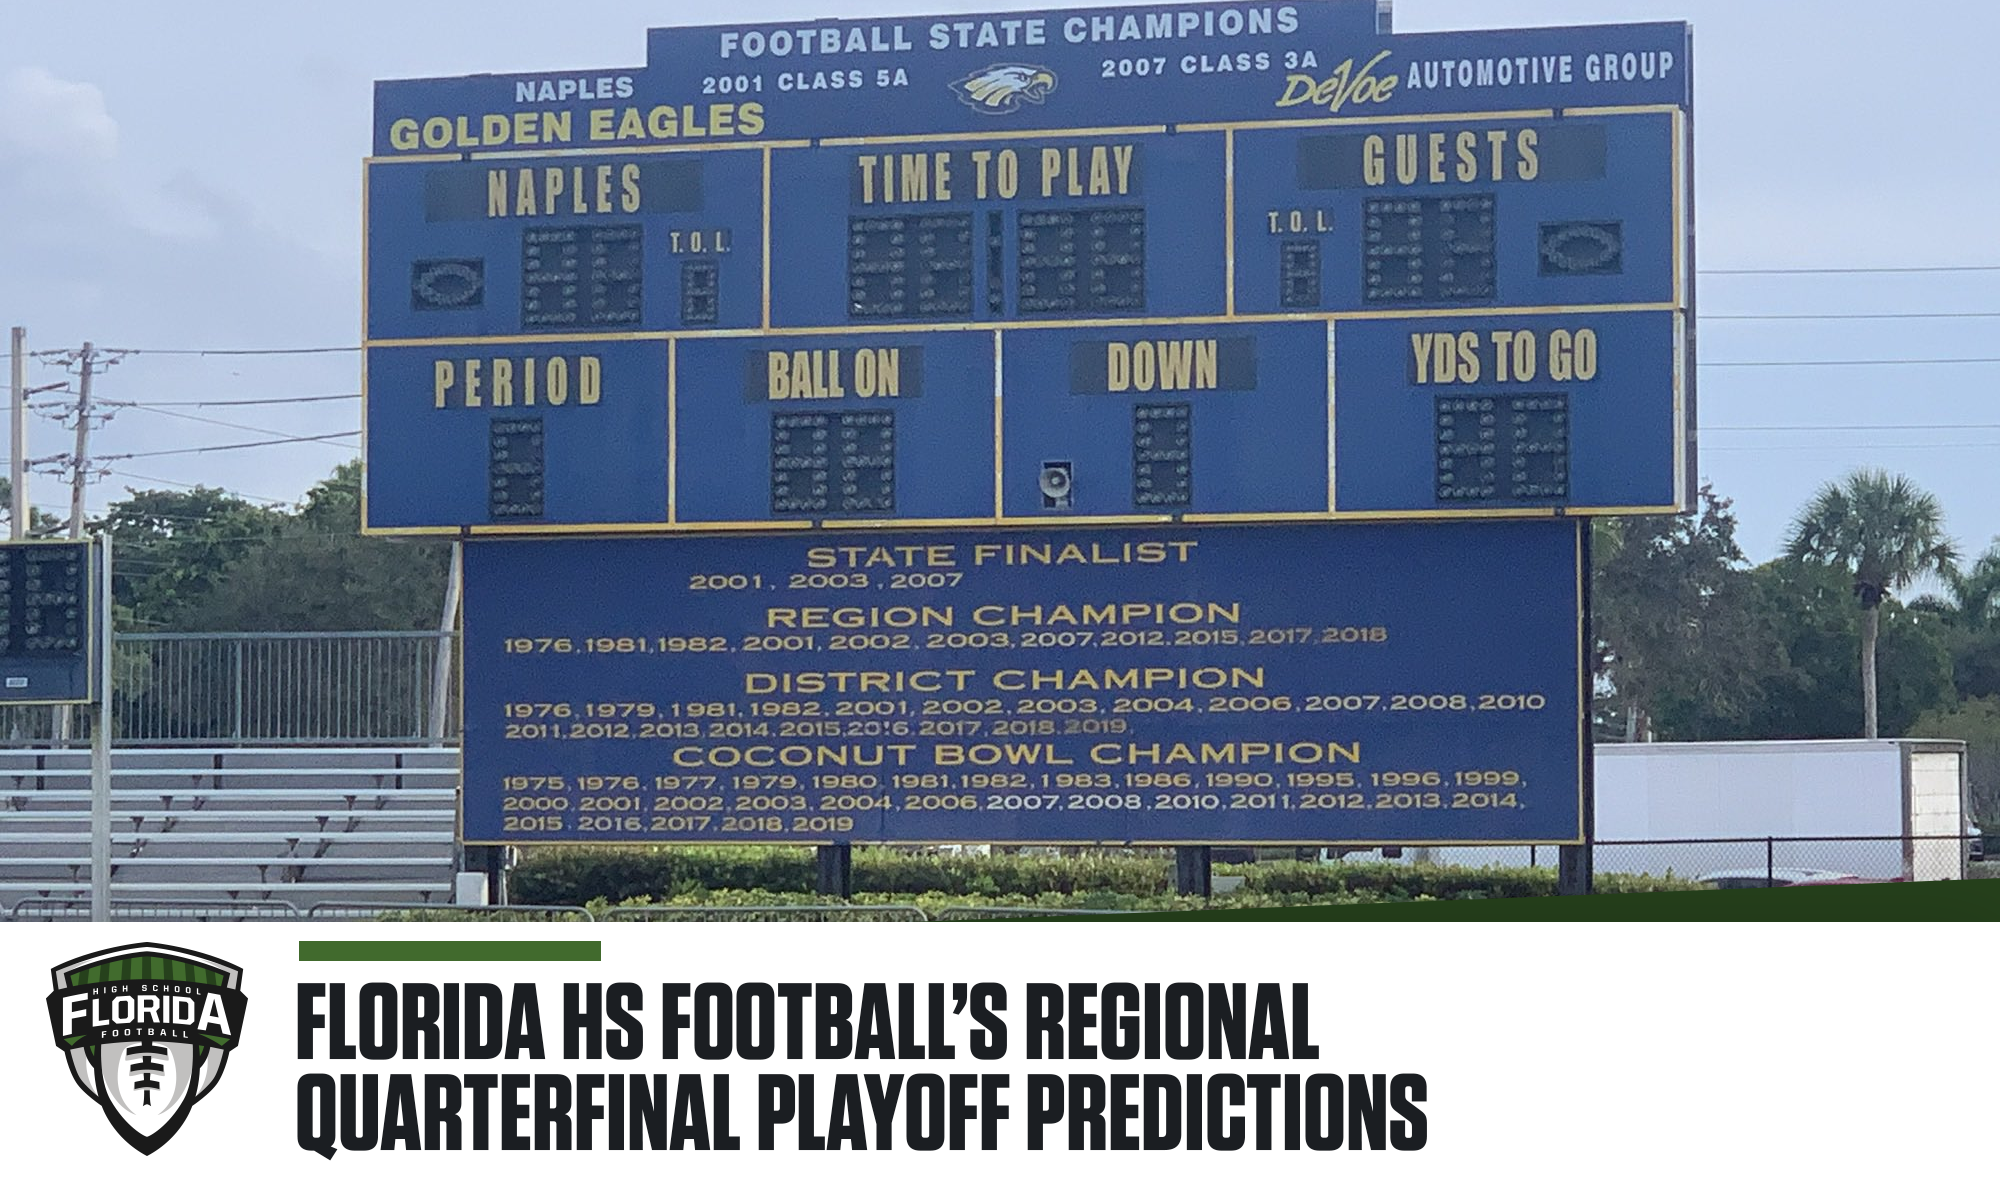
[(1003, 88), (147, 1030)]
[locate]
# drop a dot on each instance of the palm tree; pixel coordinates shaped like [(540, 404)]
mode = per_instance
[(1975, 590), (1886, 530)]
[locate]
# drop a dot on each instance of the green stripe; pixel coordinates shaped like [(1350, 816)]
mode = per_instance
[(442, 951)]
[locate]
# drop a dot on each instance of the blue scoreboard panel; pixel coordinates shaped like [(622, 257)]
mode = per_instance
[(1209, 262), (1372, 684), (48, 631)]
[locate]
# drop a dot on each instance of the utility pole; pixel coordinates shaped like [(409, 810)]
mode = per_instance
[(18, 466), (78, 468)]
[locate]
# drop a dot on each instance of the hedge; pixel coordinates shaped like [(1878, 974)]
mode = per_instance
[(1125, 880)]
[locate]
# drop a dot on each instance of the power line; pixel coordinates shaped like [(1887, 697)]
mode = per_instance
[(192, 486), (296, 535), (284, 441), (1901, 316), (236, 403), (237, 353), (1934, 270), (1836, 428), (1857, 362), (1850, 449), (183, 416)]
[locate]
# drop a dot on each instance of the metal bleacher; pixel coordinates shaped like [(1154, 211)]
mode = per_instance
[(207, 825)]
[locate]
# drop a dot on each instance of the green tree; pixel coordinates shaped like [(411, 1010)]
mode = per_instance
[(170, 549), (1817, 629), (1975, 590), (41, 522), (1683, 649), (320, 574), (1887, 533)]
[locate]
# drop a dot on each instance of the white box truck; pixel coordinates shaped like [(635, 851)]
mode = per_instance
[(1884, 809)]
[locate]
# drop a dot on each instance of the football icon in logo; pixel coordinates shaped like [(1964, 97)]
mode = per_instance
[(147, 1030)]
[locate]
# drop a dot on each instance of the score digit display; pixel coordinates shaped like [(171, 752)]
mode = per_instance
[(48, 626), (1268, 216), (1293, 685)]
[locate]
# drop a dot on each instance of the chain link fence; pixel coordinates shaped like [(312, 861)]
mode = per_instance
[(1786, 861), (265, 688)]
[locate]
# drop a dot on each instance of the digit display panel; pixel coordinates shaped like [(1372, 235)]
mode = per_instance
[(1299, 685), (48, 642), (1294, 178)]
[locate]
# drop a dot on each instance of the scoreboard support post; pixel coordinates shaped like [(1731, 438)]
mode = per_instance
[(490, 861), (1576, 867), (835, 873), (100, 747), (1192, 870)]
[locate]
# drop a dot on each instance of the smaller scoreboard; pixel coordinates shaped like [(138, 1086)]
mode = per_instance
[(49, 591)]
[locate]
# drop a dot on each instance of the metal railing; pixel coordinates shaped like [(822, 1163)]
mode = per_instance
[(52, 908), (263, 688), (1784, 860), (343, 911), (769, 912), (1623, 865), (999, 913)]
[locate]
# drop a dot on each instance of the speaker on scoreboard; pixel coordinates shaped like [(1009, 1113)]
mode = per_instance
[(1058, 484)]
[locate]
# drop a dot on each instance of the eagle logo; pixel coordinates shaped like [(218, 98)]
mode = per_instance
[(1002, 88)]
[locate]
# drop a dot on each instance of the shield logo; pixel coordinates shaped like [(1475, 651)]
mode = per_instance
[(147, 1030)]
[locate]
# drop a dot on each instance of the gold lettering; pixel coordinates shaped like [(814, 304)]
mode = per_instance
[(1468, 156), (777, 378), (443, 374), (916, 180), (1343, 87), (629, 194)]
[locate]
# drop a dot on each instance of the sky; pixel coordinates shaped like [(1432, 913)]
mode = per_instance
[(187, 176)]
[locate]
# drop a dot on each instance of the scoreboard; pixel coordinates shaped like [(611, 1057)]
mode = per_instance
[(1135, 425), (1201, 263), (49, 592), (1285, 684)]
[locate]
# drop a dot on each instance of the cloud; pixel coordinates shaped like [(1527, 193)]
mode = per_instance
[(45, 120)]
